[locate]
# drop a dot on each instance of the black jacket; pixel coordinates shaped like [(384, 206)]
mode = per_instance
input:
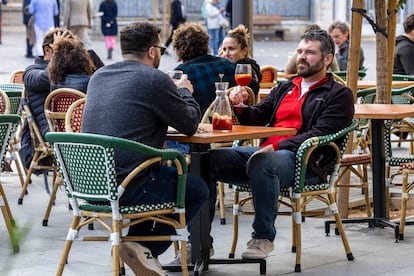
[(325, 110), (403, 56)]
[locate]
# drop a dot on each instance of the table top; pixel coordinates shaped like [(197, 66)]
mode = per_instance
[(372, 83), (206, 135), (383, 111)]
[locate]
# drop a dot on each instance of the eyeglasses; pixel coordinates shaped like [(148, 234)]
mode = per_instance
[(162, 49)]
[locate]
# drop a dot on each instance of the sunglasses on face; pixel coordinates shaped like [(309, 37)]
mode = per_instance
[(162, 49)]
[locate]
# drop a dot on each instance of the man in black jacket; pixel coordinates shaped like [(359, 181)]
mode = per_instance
[(311, 102), (404, 49)]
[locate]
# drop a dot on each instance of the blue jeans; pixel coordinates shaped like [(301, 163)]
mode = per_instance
[(161, 187), (267, 173), (216, 38)]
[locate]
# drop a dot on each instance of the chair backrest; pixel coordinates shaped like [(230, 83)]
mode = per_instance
[(87, 164), (4, 103), (269, 76), (57, 104), (8, 125), (16, 76), (402, 95), (307, 148), (73, 119), (402, 77), (361, 74), (15, 92)]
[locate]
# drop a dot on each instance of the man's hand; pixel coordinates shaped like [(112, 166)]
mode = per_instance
[(239, 94), (184, 83)]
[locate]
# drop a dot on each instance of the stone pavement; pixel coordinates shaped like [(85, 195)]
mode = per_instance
[(375, 249)]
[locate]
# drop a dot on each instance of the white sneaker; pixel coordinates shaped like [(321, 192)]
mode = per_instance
[(140, 259), (258, 249), (176, 261)]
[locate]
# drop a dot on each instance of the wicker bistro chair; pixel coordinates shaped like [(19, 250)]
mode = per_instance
[(15, 96), (269, 76), (87, 164), (16, 76), (73, 118), (300, 195), (8, 125), (57, 104)]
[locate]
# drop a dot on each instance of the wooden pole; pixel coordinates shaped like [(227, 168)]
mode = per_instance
[(383, 87), (392, 29), (352, 81), (354, 51)]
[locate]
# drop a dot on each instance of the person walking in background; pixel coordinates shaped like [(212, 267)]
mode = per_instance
[(178, 16), (404, 49), (339, 31), (4, 2), (29, 34), (229, 12), (78, 18), (43, 12), (57, 17), (215, 24), (109, 25), (236, 48)]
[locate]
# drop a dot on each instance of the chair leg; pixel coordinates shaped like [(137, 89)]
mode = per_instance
[(115, 247), (297, 228), (340, 228), (56, 183), (235, 224), (366, 189), (28, 176), (404, 198), (68, 244), (8, 219), (221, 202)]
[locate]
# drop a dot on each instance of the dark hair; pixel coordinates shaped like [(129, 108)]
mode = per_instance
[(137, 38), (49, 37), (327, 44), (190, 41), (342, 26), (312, 27), (409, 23), (69, 57)]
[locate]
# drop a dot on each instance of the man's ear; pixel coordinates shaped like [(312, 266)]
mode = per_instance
[(151, 52), (328, 59)]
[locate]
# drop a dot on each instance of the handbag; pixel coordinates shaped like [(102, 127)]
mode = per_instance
[(223, 21)]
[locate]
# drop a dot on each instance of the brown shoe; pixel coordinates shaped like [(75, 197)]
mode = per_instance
[(140, 259)]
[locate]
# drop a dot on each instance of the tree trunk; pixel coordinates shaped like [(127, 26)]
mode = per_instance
[(383, 87)]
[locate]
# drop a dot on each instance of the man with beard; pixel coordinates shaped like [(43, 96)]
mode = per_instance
[(134, 100), (311, 102)]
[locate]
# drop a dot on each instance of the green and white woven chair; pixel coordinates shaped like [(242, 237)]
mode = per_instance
[(300, 195), (87, 165), (8, 124)]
